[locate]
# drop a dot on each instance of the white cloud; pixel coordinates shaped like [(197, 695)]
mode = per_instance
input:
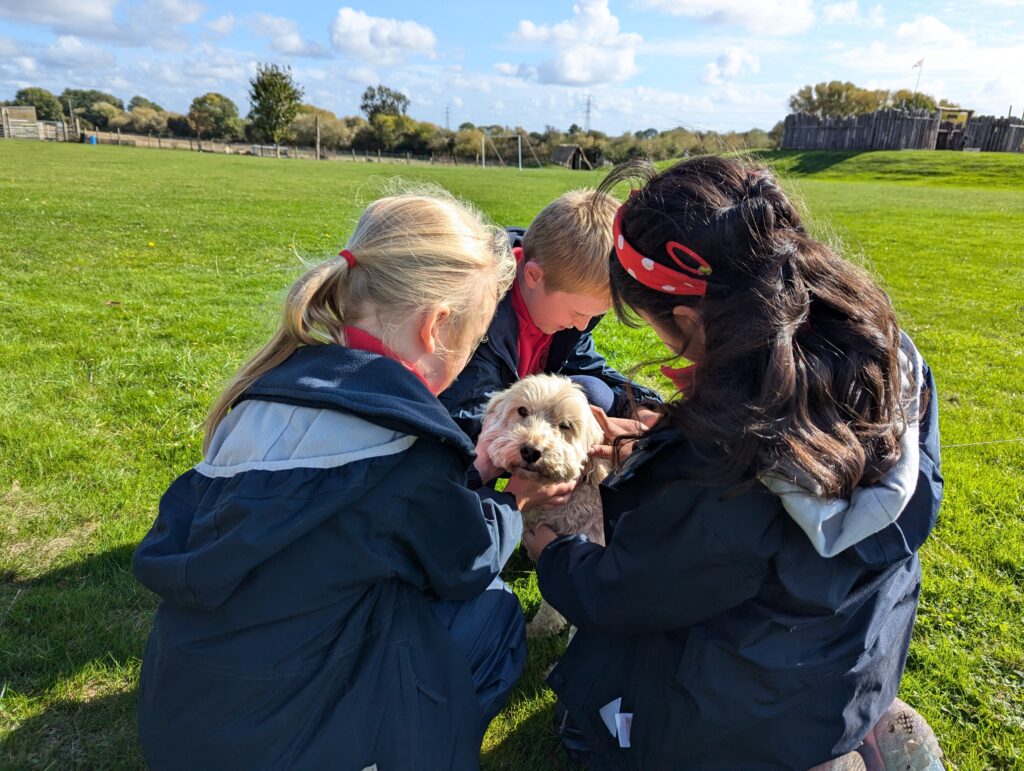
[(71, 53), (362, 75), (928, 30), (765, 17), (65, 14), (378, 40), (840, 12), (211, 67), (849, 13), (958, 70), (285, 35), (156, 24), (730, 65), (149, 23), (222, 25), (589, 48), (8, 47)]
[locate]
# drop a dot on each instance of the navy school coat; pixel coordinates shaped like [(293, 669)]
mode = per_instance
[(495, 365), (733, 642), (296, 564)]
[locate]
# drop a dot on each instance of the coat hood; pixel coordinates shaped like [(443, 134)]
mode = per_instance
[(834, 525), (366, 384)]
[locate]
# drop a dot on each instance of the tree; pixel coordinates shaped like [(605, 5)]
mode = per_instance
[(913, 100), (141, 101), (47, 106), (467, 143), (214, 115), (178, 125), (142, 120), (100, 114), (275, 102), (383, 101), (83, 102), (334, 133), (839, 100), (826, 100)]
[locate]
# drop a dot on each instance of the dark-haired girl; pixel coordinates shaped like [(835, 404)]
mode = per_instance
[(754, 603)]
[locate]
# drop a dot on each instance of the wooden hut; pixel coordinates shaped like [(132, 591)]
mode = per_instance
[(571, 157), (18, 123)]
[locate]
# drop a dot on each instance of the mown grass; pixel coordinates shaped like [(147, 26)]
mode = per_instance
[(133, 282)]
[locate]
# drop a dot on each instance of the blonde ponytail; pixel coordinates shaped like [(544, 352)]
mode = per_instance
[(415, 251)]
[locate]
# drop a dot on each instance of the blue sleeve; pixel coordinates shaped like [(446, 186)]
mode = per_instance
[(460, 538), (585, 360), (661, 570)]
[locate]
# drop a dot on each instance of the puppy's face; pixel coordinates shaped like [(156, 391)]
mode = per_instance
[(541, 427)]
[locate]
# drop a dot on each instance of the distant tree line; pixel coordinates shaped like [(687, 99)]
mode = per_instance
[(278, 116), (837, 99)]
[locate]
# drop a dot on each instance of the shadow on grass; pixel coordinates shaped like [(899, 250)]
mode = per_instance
[(805, 162), (70, 642), (99, 733), (55, 624)]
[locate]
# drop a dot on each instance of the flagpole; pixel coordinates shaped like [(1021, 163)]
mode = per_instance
[(920, 69)]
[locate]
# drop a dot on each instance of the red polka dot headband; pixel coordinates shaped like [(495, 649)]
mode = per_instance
[(654, 275)]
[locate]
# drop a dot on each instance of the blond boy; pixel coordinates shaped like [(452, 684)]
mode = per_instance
[(543, 324)]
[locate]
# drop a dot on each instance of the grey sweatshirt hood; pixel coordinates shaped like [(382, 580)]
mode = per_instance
[(833, 525)]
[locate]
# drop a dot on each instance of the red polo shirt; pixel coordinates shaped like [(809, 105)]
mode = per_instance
[(533, 344), (361, 340)]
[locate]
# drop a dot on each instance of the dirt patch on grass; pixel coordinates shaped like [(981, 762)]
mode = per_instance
[(31, 556)]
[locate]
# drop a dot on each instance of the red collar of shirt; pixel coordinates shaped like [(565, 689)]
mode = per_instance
[(533, 343), (361, 340)]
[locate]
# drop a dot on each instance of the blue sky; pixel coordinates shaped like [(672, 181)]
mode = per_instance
[(707, 64)]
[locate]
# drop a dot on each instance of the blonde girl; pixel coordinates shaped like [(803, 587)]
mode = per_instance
[(329, 584)]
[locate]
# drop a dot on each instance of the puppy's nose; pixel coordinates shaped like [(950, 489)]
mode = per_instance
[(529, 453)]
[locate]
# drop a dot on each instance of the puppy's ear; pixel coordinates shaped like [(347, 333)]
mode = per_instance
[(594, 471), (495, 405), (592, 432)]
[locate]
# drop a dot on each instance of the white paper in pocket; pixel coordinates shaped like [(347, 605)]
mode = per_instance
[(608, 713), (623, 724)]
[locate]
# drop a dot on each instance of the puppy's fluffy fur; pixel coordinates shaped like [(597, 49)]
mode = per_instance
[(542, 427)]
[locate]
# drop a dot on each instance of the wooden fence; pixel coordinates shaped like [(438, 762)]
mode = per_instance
[(994, 135), (902, 130), (882, 130)]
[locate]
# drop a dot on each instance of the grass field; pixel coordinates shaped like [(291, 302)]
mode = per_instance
[(133, 282)]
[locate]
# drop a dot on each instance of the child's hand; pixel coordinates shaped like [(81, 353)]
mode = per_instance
[(482, 462), (534, 493), (536, 539), (616, 427), (647, 417)]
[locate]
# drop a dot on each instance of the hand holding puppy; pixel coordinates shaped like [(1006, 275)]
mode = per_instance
[(482, 463), (536, 539), (539, 493), (616, 427)]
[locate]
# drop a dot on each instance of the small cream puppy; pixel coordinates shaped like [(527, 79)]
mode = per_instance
[(542, 428)]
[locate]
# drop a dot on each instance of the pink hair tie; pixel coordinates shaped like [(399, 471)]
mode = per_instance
[(349, 258)]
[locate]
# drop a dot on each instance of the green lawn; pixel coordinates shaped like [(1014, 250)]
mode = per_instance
[(133, 282)]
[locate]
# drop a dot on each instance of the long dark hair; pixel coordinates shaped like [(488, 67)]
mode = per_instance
[(801, 372)]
